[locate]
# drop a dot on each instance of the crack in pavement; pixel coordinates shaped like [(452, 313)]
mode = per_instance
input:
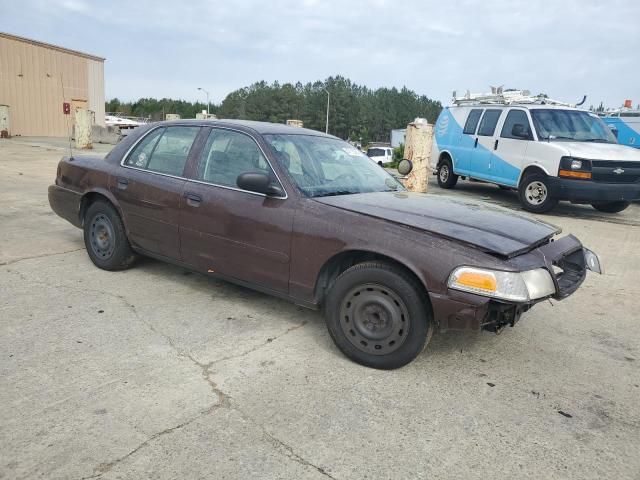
[(224, 399), (17, 260)]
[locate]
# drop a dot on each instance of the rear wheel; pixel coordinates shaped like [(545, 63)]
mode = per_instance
[(378, 316), (611, 207), (535, 194), (105, 238), (446, 177)]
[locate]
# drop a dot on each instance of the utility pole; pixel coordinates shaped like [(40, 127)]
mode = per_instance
[(207, 93), (326, 128)]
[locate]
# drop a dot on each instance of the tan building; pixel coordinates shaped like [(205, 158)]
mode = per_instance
[(39, 82)]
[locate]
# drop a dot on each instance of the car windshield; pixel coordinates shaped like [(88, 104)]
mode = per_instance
[(573, 125), (322, 166)]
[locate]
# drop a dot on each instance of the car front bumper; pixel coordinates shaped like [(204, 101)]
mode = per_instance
[(586, 191), (567, 261)]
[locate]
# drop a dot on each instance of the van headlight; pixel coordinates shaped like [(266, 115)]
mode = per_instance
[(514, 286)]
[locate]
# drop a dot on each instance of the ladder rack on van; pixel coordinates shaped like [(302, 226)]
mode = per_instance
[(499, 96)]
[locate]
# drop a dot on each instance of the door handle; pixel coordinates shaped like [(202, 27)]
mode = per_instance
[(476, 143), (193, 199), (495, 145), (123, 183)]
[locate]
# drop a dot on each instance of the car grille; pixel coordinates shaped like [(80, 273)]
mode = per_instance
[(615, 171)]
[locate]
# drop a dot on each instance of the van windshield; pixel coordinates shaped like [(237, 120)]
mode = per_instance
[(570, 125)]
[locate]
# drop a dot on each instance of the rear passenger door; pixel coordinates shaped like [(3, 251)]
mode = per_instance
[(485, 144), (511, 151), (149, 187)]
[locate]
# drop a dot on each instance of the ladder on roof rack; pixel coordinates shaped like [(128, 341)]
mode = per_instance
[(499, 96)]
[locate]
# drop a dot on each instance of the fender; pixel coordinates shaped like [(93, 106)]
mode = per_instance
[(537, 165), (109, 196)]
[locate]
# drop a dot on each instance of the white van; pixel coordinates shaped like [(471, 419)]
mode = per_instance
[(545, 150), (381, 155)]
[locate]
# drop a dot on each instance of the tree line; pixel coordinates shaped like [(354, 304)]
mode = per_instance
[(355, 112)]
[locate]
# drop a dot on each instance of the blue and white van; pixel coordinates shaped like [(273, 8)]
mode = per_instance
[(546, 151), (625, 125)]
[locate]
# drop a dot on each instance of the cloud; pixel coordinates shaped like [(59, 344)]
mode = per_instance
[(156, 48)]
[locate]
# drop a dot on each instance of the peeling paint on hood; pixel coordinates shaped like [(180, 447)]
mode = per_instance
[(492, 229)]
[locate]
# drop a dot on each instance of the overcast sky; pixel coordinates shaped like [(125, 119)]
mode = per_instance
[(167, 49)]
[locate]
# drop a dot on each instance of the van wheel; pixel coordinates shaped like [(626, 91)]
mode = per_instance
[(446, 177), (378, 316), (535, 194), (611, 207)]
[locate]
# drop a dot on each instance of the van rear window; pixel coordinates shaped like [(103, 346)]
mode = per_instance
[(472, 121)]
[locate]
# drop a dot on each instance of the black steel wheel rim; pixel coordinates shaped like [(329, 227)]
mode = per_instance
[(374, 319), (102, 236)]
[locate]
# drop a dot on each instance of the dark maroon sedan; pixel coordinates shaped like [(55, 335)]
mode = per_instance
[(307, 217)]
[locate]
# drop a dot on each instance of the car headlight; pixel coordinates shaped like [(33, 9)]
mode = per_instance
[(515, 286)]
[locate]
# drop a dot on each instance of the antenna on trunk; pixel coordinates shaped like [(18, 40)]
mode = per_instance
[(68, 128)]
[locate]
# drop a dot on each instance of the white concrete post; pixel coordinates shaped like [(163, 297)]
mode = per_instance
[(83, 123), (417, 148)]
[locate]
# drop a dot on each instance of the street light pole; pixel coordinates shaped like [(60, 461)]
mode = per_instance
[(200, 88), (326, 128)]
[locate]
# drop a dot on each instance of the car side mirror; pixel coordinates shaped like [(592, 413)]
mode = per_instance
[(405, 166), (614, 130), (258, 182), (520, 131)]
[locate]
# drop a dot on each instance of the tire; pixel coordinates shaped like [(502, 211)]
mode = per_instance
[(611, 207), (105, 238), (446, 177), (534, 193), (378, 316)]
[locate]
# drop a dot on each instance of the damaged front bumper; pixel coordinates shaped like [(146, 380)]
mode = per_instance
[(565, 259)]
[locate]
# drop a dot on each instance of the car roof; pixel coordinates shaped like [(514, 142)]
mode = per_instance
[(262, 128)]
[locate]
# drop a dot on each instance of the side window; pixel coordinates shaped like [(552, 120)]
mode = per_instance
[(226, 155), (489, 122), (516, 117), (164, 150), (172, 150), (139, 156), (472, 121)]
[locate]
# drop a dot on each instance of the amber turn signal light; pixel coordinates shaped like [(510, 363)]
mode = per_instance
[(573, 174)]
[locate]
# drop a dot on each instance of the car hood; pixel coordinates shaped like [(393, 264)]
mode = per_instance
[(600, 151), (491, 229)]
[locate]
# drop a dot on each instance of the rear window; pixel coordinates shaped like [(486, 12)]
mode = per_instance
[(375, 152), (472, 121), (489, 122)]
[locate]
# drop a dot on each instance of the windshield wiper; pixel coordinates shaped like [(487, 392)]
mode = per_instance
[(596, 140), (337, 192)]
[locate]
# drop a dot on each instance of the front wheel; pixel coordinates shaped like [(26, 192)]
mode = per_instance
[(535, 194), (446, 177), (378, 316), (611, 207)]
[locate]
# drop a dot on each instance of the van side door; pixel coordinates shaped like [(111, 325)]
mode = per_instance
[(463, 151), (511, 148), (485, 144)]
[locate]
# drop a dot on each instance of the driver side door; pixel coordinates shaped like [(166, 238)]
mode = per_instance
[(232, 232)]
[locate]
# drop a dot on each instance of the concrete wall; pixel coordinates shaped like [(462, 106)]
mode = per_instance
[(32, 76)]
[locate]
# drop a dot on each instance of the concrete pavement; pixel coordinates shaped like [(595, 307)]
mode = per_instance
[(158, 373)]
